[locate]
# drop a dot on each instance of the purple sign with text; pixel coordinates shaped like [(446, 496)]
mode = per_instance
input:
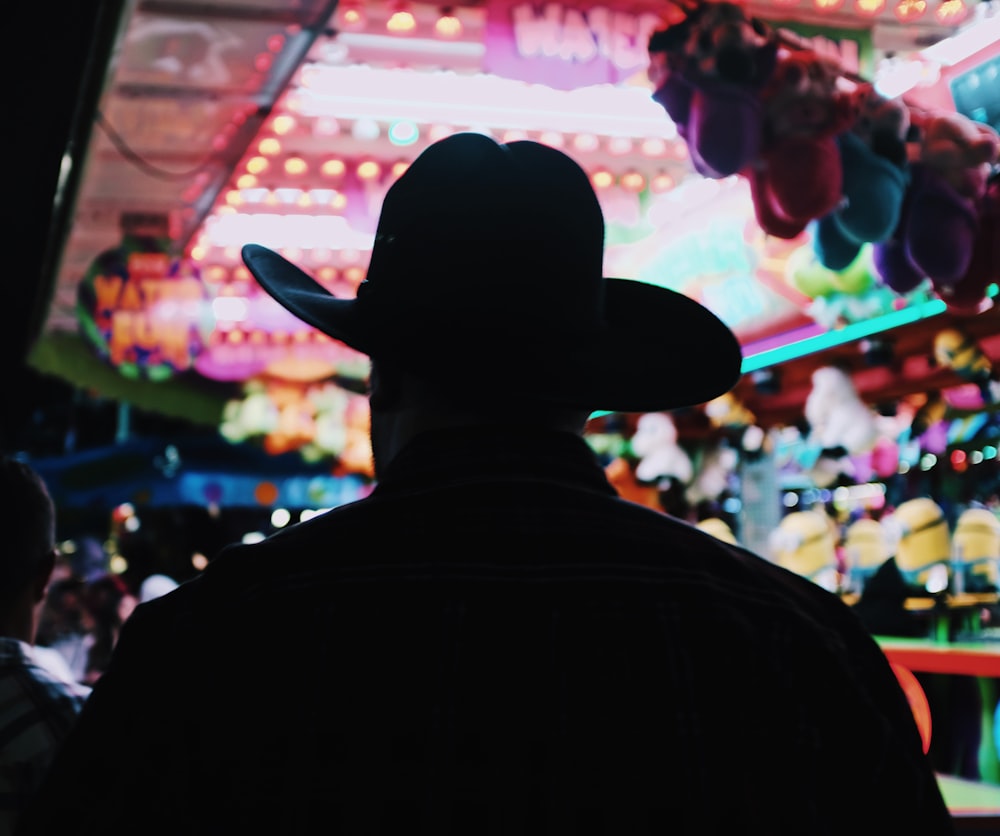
[(566, 47)]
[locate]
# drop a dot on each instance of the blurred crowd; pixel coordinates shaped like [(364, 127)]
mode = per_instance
[(84, 609)]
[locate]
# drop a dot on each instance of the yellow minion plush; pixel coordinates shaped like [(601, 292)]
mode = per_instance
[(867, 548), (976, 550), (718, 529), (959, 352), (804, 543), (922, 542)]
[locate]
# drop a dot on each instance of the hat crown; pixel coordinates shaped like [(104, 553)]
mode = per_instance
[(487, 268), (474, 228)]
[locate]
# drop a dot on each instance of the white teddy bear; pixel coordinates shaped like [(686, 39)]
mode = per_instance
[(841, 425), (660, 456), (836, 414)]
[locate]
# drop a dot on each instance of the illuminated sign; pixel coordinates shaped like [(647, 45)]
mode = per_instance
[(567, 46), (139, 307)]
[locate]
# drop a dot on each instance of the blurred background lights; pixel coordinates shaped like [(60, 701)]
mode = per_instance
[(283, 124), (369, 170), (602, 179), (280, 517), (403, 132), (269, 146), (869, 8), (326, 126), (257, 165), (333, 167), (448, 26), (365, 130), (401, 22), (620, 145)]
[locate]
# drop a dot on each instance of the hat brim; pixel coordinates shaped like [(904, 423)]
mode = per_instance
[(659, 350)]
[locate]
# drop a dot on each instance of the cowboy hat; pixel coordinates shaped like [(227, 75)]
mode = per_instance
[(487, 273)]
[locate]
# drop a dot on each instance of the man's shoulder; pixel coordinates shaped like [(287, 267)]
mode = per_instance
[(32, 695)]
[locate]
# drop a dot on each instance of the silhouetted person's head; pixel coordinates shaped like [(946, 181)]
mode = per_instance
[(27, 523), (486, 300)]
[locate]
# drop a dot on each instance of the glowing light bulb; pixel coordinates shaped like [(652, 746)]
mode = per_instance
[(369, 170), (951, 12), (283, 124), (869, 8), (602, 179), (448, 26), (401, 22), (633, 181), (333, 168), (257, 165), (910, 9), (296, 166)]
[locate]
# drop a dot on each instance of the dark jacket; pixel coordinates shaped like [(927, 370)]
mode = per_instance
[(493, 642)]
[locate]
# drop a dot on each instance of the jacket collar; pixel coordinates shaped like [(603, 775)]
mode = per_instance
[(490, 453)]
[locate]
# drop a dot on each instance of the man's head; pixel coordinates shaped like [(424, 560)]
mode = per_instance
[(486, 278), (27, 519)]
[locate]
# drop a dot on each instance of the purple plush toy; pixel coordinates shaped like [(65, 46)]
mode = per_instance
[(708, 70)]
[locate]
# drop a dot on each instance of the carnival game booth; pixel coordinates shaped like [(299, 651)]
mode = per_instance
[(222, 126), (820, 174)]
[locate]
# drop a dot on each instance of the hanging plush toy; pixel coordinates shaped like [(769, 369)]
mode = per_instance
[(875, 178), (939, 222), (968, 294), (798, 177), (707, 69)]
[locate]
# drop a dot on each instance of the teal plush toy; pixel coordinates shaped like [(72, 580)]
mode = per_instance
[(875, 178)]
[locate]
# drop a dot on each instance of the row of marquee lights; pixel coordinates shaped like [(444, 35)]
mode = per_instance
[(250, 190), (448, 24), (947, 12)]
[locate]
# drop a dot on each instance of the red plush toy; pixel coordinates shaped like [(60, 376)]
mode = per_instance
[(798, 176)]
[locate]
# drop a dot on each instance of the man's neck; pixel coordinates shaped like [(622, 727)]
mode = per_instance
[(392, 431)]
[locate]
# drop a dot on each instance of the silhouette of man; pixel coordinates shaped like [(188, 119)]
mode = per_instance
[(495, 642), (37, 709)]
